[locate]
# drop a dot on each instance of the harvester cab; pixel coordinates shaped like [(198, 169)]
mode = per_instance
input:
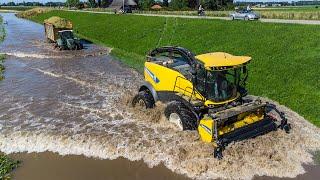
[(206, 92), (66, 40)]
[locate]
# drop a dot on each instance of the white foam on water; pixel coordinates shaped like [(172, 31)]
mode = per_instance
[(96, 123), (30, 55), (274, 154)]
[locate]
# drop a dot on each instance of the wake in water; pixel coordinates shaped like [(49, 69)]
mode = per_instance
[(98, 122)]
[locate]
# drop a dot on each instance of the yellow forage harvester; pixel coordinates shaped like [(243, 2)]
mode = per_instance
[(206, 93)]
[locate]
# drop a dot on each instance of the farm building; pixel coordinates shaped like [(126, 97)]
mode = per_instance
[(119, 3)]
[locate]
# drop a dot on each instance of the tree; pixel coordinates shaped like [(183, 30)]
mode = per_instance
[(72, 3), (193, 4), (210, 4), (165, 3), (105, 3), (145, 4), (92, 3), (99, 3), (179, 4)]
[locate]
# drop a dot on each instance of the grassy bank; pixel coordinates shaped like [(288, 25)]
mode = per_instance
[(2, 34), (285, 56), (1, 66), (6, 166)]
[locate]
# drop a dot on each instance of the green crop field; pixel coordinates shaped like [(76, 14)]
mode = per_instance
[(286, 57)]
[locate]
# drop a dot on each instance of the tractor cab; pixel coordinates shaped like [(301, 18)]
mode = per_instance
[(66, 34), (66, 40)]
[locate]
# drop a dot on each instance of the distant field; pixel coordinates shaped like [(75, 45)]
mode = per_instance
[(304, 12), (286, 57), (291, 8), (16, 8), (298, 14)]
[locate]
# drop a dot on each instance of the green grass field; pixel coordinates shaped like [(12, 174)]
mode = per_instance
[(286, 57)]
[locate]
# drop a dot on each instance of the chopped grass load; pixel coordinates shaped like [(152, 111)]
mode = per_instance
[(285, 56), (59, 22)]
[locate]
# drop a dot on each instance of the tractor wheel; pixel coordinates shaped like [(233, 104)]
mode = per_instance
[(180, 115), (143, 99)]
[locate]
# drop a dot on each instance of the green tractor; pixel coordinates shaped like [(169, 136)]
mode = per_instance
[(67, 41), (59, 31)]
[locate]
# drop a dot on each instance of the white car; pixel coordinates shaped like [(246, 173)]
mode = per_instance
[(245, 15)]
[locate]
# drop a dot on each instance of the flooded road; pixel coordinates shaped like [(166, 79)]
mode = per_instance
[(74, 103)]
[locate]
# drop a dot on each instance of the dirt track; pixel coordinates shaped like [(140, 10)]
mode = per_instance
[(75, 106)]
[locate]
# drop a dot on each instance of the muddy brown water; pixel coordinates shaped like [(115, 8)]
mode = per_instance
[(50, 166), (71, 103)]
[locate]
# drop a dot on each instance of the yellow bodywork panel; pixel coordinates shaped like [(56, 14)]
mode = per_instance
[(163, 78), (206, 125), (210, 103), (221, 59), (205, 129)]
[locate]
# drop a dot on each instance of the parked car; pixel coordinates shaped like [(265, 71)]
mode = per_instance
[(245, 15)]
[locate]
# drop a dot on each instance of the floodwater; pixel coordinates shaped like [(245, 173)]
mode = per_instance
[(50, 166), (74, 103)]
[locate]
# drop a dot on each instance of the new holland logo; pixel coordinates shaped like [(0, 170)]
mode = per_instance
[(206, 128), (154, 78)]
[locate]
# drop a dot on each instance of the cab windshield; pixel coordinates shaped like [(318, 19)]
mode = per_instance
[(218, 85)]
